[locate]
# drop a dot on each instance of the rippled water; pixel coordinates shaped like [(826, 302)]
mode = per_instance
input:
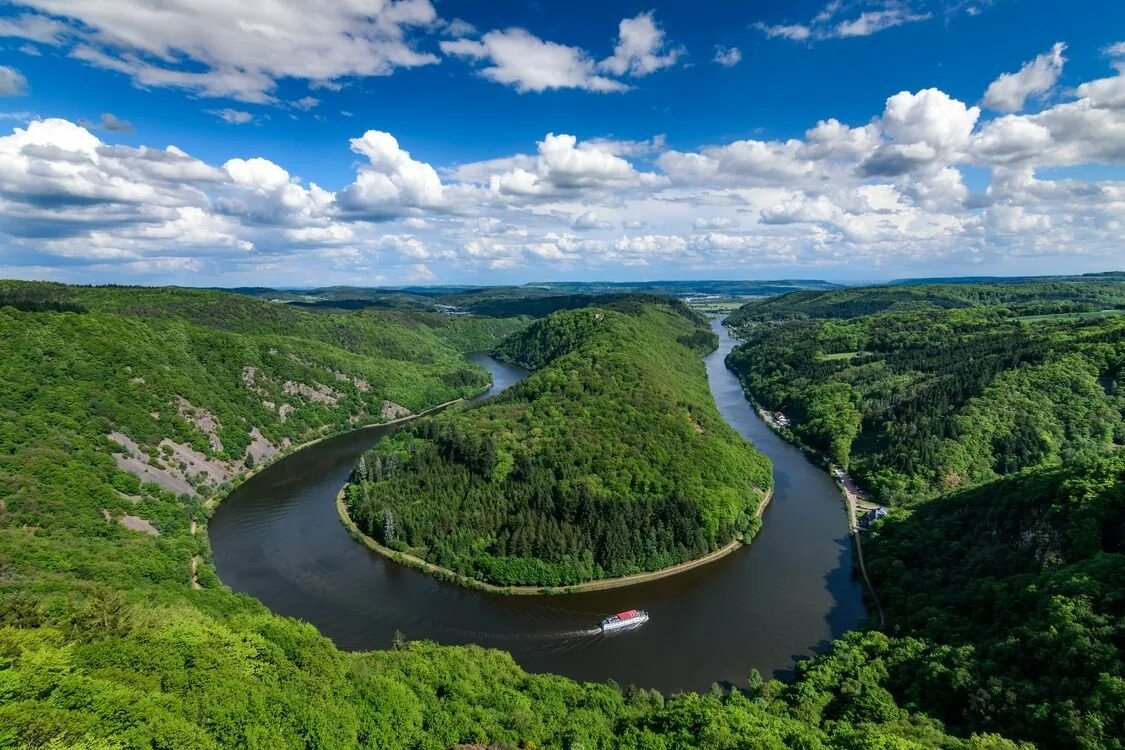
[(277, 538)]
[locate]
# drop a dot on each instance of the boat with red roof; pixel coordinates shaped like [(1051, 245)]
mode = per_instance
[(630, 618)]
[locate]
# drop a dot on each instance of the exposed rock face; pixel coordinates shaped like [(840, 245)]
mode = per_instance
[(316, 392), (203, 420), (260, 449), (250, 375), (284, 411), (391, 411), (136, 523), (194, 465), (136, 463)]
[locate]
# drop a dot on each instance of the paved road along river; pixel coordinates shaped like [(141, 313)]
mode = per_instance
[(277, 537)]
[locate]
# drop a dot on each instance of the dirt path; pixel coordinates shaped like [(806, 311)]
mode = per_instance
[(604, 584), (854, 526)]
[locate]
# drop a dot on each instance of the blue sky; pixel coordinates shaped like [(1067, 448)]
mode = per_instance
[(692, 152)]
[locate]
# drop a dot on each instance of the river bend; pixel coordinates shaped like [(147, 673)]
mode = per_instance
[(277, 538)]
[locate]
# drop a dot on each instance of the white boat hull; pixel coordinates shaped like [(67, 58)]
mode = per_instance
[(632, 622)]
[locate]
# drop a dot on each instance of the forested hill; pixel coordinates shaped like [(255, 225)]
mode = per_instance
[(123, 410), (105, 643), (1064, 294), (610, 459), (920, 401), (1018, 588)]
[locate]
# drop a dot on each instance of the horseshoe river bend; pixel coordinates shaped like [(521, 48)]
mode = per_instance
[(277, 537)]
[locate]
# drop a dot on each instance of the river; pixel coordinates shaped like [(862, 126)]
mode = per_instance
[(277, 537)]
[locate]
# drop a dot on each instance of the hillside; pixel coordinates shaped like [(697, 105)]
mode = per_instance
[(534, 299), (1019, 588), (105, 643), (610, 460), (927, 400), (1062, 294), (118, 426)]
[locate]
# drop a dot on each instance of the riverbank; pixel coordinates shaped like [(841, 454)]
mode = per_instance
[(603, 584), (855, 498), (210, 504)]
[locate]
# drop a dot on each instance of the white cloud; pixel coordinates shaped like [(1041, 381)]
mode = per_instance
[(232, 49), (232, 116), (796, 32), (305, 103), (33, 27), (872, 22), (827, 24), (928, 127), (1037, 77), (519, 58), (562, 165), (12, 82), (591, 220), (392, 182), (728, 57), (886, 192), (640, 48)]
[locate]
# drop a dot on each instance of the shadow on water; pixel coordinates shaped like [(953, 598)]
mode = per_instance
[(277, 538)]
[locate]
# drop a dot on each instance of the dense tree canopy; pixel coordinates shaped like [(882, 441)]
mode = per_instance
[(918, 402), (1032, 296), (1019, 587), (611, 459), (105, 644)]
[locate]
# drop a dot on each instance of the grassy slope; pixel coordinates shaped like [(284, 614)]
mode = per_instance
[(104, 645), (611, 459)]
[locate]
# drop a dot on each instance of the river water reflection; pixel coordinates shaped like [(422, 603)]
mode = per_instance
[(277, 538)]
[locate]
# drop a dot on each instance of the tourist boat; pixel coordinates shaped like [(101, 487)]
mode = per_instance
[(630, 618)]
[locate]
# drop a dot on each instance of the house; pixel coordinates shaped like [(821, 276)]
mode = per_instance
[(781, 419), (872, 516)]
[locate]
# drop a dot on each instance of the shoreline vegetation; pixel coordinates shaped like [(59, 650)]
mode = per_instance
[(851, 499), (604, 584)]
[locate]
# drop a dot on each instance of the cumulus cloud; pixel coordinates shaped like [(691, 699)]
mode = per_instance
[(392, 182), (886, 191), (12, 82), (728, 57), (237, 50), (927, 128), (562, 164), (641, 48), (1037, 77), (518, 58)]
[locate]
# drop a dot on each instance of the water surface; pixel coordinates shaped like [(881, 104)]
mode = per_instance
[(277, 538)]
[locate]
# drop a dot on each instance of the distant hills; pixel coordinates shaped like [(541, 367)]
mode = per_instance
[(535, 299)]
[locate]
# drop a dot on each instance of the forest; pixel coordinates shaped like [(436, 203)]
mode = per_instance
[(1017, 588), (610, 459), (105, 644), (1029, 296), (921, 399)]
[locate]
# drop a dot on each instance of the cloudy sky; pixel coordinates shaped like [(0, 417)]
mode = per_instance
[(306, 142)]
